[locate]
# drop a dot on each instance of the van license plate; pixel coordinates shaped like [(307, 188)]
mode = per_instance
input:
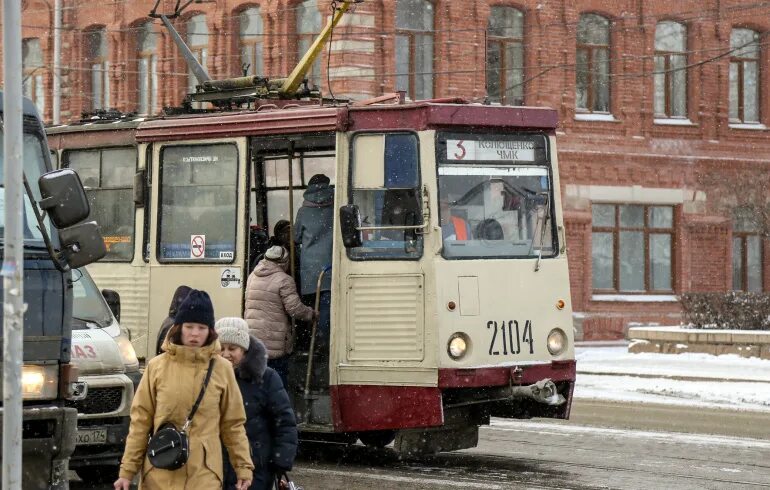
[(92, 436)]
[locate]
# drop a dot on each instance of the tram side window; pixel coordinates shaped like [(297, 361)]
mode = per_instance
[(386, 188), (198, 203), (108, 177)]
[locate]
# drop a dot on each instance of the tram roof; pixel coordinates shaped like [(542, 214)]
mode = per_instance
[(97, 134), (303, 119)]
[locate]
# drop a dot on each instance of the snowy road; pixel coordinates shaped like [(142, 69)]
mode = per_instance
[(547, 454)]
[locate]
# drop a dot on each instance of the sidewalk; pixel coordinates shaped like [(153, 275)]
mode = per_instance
[(606, 371)]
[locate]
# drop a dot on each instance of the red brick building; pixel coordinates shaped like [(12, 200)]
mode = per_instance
[(664, 149)]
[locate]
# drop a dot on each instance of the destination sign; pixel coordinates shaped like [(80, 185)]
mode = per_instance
[(490, 151)]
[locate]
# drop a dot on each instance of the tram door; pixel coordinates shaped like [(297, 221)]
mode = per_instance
[(383, 280), (199, 225)]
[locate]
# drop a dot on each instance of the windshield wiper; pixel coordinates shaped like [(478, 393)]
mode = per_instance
[(542, 221), (88, 320)]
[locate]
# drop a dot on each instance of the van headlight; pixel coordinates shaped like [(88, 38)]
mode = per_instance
[(127, 353), (557, 341), (39, 382), (457, 346)]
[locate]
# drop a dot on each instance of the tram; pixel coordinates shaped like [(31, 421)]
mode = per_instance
[(450, 299)]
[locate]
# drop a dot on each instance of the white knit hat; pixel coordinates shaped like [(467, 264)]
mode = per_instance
[(233, 330), (276, 253)]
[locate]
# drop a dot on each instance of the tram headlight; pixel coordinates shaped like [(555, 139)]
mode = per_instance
[(557, 341), (457, 346)]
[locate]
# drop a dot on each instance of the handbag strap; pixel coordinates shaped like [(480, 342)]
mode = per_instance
[(200, 395)]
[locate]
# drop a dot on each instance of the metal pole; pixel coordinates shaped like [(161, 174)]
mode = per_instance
[(13, 261), (292, 251), (56, 62)]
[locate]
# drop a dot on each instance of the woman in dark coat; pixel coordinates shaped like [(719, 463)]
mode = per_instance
[(270, 423), (179, 295)]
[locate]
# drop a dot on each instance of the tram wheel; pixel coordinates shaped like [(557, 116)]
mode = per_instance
[(377, 438)]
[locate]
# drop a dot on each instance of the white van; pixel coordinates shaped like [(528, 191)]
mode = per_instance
[(109, 371)]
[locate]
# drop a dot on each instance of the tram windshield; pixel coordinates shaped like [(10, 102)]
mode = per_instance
[(494, 195)]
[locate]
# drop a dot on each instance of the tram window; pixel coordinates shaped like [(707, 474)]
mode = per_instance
[(198, 199), (386, 189), (108, 177)]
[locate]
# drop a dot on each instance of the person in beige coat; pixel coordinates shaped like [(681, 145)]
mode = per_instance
[(271, 298), (169, 387)]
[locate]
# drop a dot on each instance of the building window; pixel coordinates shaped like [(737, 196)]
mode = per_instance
[(99, 66), (32, 63), (744, 76), (308, 27), (670, 69), (592, 73), (251, 42), (747, 253), (147, 42), (198, 41), (632, 248), (505, 56), (414, 48)]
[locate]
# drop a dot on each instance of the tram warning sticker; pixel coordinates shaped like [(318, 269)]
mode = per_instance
[(230, 277), (197, 246)]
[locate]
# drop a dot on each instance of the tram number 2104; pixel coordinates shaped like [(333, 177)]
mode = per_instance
[(508, 337)]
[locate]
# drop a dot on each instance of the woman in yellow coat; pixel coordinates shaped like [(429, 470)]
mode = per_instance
[(167, 392)]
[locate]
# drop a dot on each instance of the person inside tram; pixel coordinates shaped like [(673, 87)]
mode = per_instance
[(453, 226), (313, 235), (489, 229)]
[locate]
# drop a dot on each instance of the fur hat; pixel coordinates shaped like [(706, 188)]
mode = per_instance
[(196, 308), (319, 179), (277, 253), (233, 330)]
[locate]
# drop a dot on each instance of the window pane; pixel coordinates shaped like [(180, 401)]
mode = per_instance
[(660, 86), (601, 85), (402, 63), (603, 215), (96, 86), (750, 92), (389, 208), (144, 94), (734, 92), (593, 29), (424, 67), (670, 36), (754, 262), (86, 164), (494, 66), (416, 15), (198, 197), (745, 42), (119, 167), (660, 262), (506, 22), (147, 38), (32, 55), (582, 78), (197, 31), (96, 45), (251, 22), (737, 263), (277, 172), (319, 163), (113, 209), (513, 72), (278, 206), (661, 217), (602, 258), (631, 261), (632, 216), (678, 86), (401, 161)]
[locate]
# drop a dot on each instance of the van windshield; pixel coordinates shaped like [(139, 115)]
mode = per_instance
[(34, 167), (88, 305)]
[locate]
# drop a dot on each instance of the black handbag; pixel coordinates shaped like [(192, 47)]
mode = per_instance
[(283, 482), (168, 448)]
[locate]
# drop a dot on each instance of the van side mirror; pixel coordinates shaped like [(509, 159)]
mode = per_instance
[(82, 244), (63, 197), (350, 221), (113, 301)]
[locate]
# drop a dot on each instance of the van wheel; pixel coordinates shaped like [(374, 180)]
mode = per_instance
[(98, 473), (377, 438)]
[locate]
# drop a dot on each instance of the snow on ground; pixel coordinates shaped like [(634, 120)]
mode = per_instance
[(728, 381)]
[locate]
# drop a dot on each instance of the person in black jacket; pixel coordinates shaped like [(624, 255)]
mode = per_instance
[(179, 295), (270, 423)]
